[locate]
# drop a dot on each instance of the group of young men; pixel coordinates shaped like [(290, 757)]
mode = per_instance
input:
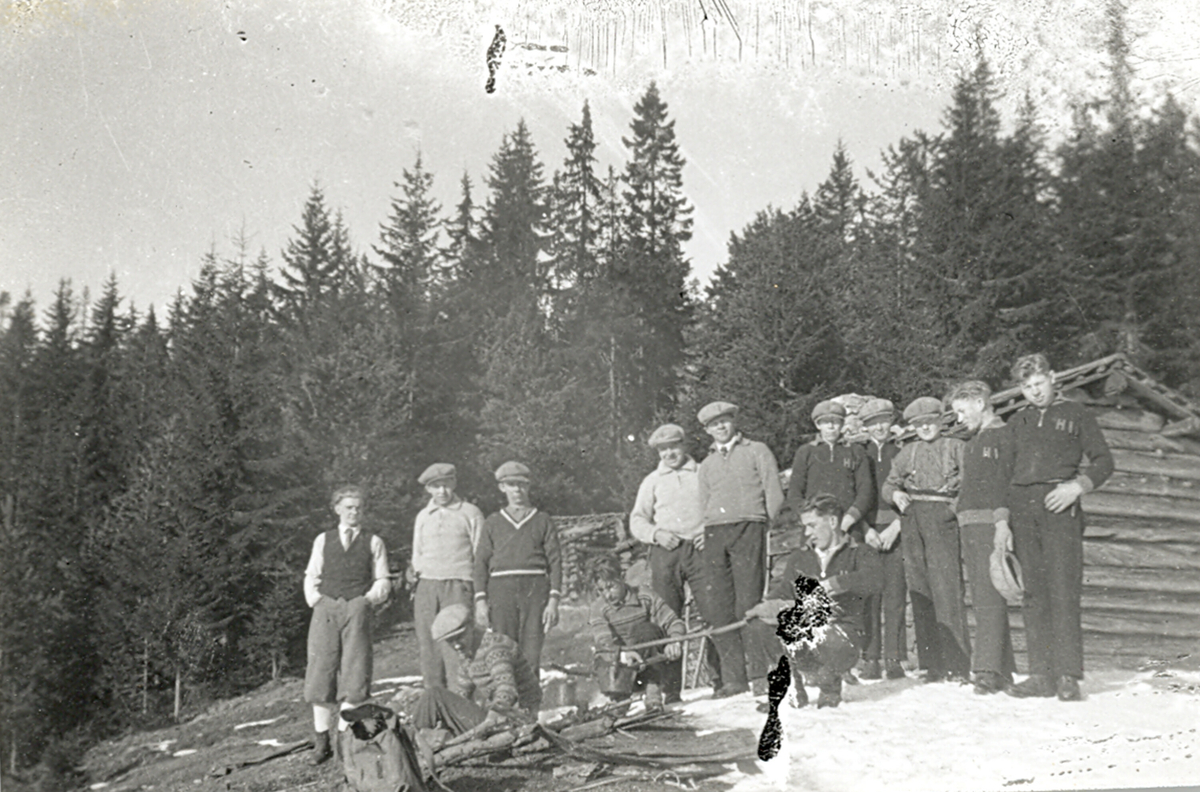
[(880, 521)]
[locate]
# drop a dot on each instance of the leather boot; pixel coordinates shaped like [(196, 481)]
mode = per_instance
[(322, 750), (1037, 686)]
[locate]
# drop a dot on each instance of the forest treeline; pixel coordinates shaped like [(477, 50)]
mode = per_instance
[(162, 476)]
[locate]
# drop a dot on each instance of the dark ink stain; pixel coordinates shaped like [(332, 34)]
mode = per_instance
[(798, 623), (812, 610), (771, 738), (241, 34), (495, 53)]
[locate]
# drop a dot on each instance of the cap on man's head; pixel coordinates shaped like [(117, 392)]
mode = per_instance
[(714, 410), (875, 409), (439, 471), (666, 434), (450, 621), (923, 409), (512, 471), (828, 409)]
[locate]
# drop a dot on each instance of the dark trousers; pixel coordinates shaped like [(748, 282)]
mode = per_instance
[(883, 614), (992, 649), (1050, 549), (515, 606), (339, 652), (669, 570), (438, 661), (734, 576), (442, 708), (833, 651), (935, 585)]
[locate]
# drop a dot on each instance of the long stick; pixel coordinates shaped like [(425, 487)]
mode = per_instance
[(737, 625)]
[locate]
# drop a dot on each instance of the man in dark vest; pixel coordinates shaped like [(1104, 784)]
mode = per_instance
[(347, 574)]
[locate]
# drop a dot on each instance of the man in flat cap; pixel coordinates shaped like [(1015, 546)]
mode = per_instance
[(518, 567), (667, 516), (884, 627), (982, 518), (827, 465), (923, 484), (443, 564), (740, 494), (493, 680)]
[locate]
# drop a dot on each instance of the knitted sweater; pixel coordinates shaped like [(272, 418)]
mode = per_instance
[(508, 547), (499, 675), (986, 471), (741, 484), (612, 625), (668, 500), (839, 470), (1050, 445), (444, 539)]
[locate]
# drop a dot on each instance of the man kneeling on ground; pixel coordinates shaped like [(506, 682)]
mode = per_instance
[(624, 616), (818, 605), (493, 682)]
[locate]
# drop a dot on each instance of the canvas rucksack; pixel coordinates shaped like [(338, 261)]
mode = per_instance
[(378, 754)]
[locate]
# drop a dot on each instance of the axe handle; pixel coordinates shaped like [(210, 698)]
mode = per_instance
[(689, 636)]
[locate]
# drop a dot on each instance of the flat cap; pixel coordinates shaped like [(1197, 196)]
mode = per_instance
[(437, 472), (714, 410), (828, 409), (450, 621), (665, 434), (874, 409), (1005, 572), (512, 471), (923, 408)]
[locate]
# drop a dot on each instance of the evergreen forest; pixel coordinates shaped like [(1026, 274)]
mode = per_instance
[(164, 472)]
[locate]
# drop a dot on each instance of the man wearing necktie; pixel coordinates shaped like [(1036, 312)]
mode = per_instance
[(347, 574)]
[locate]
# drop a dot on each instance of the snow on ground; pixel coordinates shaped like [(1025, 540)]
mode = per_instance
[(905, 735)]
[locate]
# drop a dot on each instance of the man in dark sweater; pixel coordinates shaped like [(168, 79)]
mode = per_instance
[(518, 567), (828, 465), (883, 618), (347, 573), (983, 519), (1051, 436), (831, 633), (740, 494)]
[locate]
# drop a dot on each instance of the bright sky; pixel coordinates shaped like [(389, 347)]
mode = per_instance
[(138, 135)]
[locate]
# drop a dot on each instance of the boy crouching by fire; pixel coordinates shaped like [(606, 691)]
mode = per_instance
[(624, 616)]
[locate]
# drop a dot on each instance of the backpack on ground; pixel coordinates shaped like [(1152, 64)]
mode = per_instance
[(378, 753)]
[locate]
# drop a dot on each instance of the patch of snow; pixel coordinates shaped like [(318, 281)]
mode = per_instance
[(100, 785), (404, 680), (185, 752), (251, 724), (904, 735), (271, 743), (162, 747)]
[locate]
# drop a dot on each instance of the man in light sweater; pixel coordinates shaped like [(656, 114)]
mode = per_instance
[(443, 562), (740, 494), (347, 573), (667, 516)]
